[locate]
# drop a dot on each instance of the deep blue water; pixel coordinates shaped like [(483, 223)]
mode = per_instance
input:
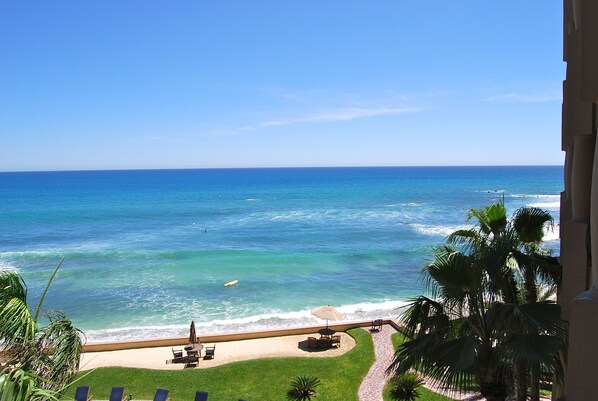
[(147, 251)]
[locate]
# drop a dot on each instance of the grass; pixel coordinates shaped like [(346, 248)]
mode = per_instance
[(260, 379)]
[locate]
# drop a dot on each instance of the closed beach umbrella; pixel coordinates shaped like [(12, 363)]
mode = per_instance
[(192, 333), (327, 312)]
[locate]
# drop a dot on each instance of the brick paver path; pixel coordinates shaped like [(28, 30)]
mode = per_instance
[(374, 382)]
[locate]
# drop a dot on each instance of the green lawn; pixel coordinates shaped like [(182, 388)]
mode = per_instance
[(255, 380)]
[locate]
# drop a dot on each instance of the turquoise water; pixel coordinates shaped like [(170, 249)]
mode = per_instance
[(148, 251)]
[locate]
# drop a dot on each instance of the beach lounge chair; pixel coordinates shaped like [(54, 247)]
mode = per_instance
[(376, 325), (312, 342), (210, 351), (82, 393), (201, 396), (177, 353), (335, 340), (117, 394), (161, 394)]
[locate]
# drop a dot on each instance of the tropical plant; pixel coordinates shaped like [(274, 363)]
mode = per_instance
[(405, 386), (484, 321), (303, 388), (49, 352)]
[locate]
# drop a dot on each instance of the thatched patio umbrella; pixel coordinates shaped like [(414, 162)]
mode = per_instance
[(192, 334)]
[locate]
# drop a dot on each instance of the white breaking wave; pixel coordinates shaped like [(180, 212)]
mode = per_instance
[(555, 206), (443, 231), (6, 267), (546, 196), (552, 234), (357, 312)]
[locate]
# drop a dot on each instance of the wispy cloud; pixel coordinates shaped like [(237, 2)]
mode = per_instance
[(347, 114), (527, 97), (310, 106)]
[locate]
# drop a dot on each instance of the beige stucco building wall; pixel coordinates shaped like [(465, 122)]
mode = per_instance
[(579, 201)]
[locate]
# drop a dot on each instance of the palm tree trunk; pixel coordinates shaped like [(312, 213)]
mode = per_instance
[(491, 378), (535, 382), (494, 391), (531, 296), (521, 381)]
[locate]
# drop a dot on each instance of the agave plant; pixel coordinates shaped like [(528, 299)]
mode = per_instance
[(405, 387), (303, 388), (48, 354)]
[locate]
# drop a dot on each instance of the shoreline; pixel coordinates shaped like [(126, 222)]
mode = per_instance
[(361, 312)]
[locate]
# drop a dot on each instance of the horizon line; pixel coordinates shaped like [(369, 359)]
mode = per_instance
[(276, 167)]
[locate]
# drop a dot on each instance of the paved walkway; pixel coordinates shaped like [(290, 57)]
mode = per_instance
[(374, 382)]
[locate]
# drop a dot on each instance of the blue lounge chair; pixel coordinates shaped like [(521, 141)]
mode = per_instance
[(82, 393), (117, 394), (161, 394), (201, 396)]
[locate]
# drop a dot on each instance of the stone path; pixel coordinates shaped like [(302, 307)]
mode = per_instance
[(374, 382)]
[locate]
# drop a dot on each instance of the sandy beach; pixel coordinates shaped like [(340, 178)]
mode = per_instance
[(226, 352)]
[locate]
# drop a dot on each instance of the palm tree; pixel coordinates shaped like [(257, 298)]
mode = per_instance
[(483, 320), (516, 264), (50, 352)]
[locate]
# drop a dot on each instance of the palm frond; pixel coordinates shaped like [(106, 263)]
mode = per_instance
[(537, 348), (21, 385), (62, 342), (410, 354), (41, 300), (423, 315), (529, 222), (549, 269), (16, 322), (453, 276), (449, 362), (491, 219), (533, 318), (465, 239), (12, 286)]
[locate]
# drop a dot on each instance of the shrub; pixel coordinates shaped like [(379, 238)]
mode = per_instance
[(303, 388), (405, 387)]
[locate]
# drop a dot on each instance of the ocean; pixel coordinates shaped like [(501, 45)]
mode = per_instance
[(147, 251)]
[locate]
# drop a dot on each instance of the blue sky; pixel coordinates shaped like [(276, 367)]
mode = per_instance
[(192, 84)]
